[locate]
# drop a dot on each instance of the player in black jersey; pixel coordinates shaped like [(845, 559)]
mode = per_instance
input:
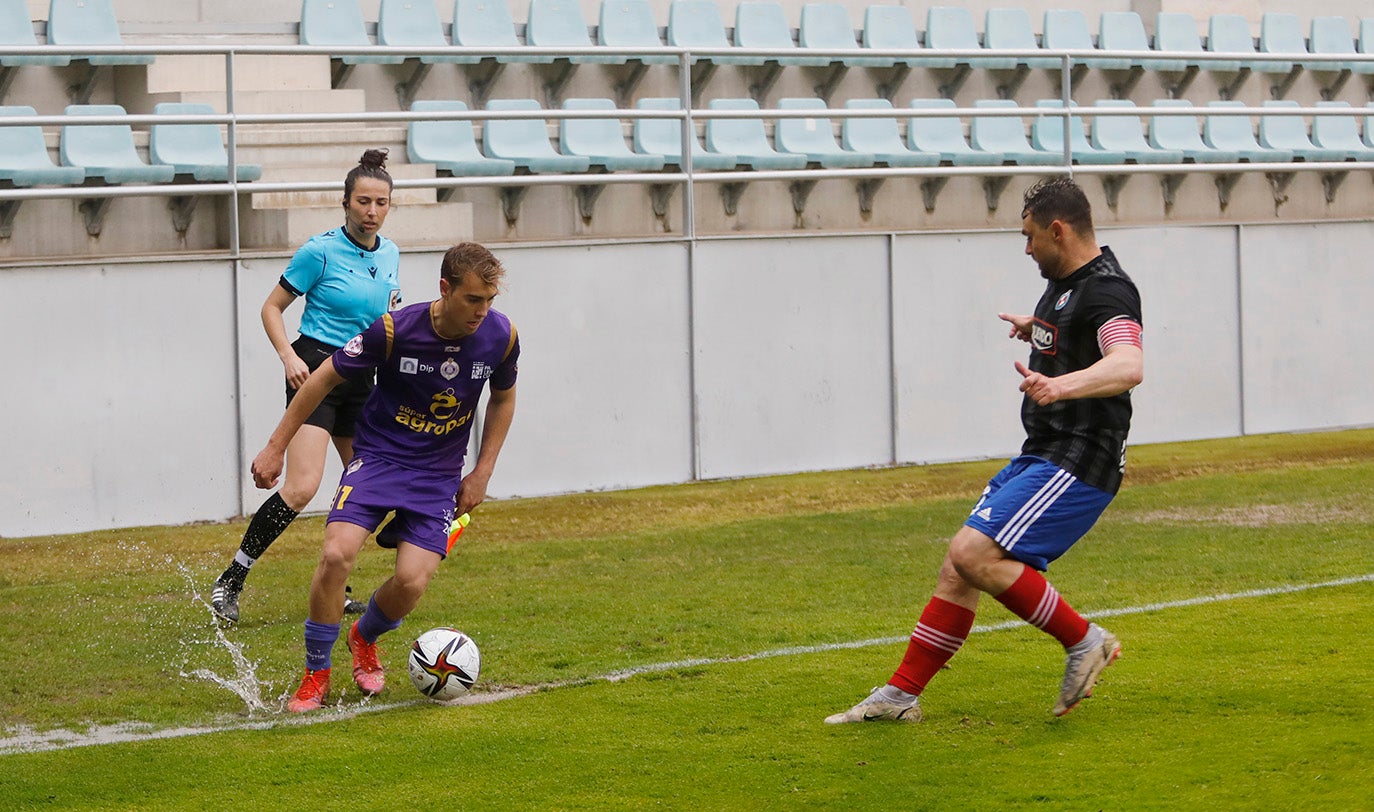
[(1086, 356)]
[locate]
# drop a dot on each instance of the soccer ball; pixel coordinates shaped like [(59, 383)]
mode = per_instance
[(443, 664)]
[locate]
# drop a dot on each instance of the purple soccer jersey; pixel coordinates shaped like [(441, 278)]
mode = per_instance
[(420, 414)]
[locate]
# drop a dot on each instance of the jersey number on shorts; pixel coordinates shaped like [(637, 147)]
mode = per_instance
[(341, 496)]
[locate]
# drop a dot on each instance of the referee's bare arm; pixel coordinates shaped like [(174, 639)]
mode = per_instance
[(267, 465)]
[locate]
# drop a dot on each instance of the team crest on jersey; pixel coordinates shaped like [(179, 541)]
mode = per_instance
[(354, 347), (1063, 300), (449, 369)]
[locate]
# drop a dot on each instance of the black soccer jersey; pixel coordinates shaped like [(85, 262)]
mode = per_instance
[(1086, 436)]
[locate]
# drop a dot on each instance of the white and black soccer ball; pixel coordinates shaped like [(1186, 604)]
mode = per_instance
[(444, 664)]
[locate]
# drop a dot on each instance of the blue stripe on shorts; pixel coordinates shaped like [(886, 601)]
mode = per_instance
[(1036, 510)]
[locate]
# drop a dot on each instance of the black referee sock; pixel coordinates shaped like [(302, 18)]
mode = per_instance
[(268, 523)]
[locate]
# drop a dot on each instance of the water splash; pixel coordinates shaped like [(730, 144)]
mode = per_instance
[(244, 682)]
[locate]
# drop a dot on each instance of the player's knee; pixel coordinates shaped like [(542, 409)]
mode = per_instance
[(297, 495), (970, 555)]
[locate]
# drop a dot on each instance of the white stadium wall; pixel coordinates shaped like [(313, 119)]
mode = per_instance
[(643, 365)]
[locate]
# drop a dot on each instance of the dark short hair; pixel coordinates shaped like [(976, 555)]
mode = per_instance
[(471, 257), (371, 165), (1058, 198)]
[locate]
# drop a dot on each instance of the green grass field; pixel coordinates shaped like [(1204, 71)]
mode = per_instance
[(738, 604)]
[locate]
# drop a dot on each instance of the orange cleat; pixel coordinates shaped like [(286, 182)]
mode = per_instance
[(310, 696), (367, 667)]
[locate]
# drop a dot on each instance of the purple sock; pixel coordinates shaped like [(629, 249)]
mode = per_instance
[(319, 642), (374, 623)]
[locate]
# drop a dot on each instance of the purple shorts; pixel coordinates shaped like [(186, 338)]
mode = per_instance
[(370, 488), (1036, 510)]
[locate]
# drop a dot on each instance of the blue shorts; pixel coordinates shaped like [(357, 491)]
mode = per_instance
[(1036, 510), (370, 488)]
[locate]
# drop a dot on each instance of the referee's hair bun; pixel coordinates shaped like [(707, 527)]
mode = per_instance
[(374, 158)]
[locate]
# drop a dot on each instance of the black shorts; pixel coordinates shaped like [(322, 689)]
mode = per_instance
[(341, 407)]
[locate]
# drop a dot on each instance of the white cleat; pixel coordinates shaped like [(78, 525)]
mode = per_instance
[(1083, 665), (879, 708)]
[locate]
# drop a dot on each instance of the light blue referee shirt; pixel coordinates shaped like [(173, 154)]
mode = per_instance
[(346, 286)]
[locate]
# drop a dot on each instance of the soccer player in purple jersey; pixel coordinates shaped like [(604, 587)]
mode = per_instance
[(432, 361), (1086, 356)]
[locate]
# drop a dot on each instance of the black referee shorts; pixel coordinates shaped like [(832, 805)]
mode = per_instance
[(341, 407)]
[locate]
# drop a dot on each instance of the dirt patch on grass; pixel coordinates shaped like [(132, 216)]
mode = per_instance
[(1259, 515)]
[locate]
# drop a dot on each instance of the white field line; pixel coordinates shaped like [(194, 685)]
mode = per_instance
[(24, 740)]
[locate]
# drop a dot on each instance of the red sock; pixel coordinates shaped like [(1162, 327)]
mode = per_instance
[(941, 631), (1033, 600)]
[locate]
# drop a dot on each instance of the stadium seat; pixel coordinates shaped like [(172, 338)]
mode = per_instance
[(1047, 135), (1006, 135), (630, 24), (1124, 31), (1340, 132), (952, 28), (402, 23), (89, 22), (1010, 29), (1067, 30), (827, 25), (24, 159), (1180, 133), (891, 28), (525, 140), (1331, 36), (194, 149), (880, 137), (763, 24), (1123, 134), (745, 138), (1233, 133), (663, 136), (814, 137), (560, 24), (339, 23), (944, 136), (450, 145), (698, 24), (1280, 34), (1288, 131), (1229, 34), (602, 140), (17, 29), (1366, 45), (488, 24), (106, 151), (1176, 34)]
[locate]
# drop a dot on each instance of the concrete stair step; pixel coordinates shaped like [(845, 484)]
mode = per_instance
[(335, 172), (431, 224), (192, 73)]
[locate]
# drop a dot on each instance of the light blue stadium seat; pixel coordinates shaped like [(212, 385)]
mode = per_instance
[(1067, 29), (402, 23), (1010, 29), (698, 24), (1331, 36), (1176, 34), (763, 24), (1229, 34), (814, 137), (24, 159), (1340, 132), (526, 141), (630, 24), (1006, 135), (193, 149), (1368, 126), (827, 25), (488, 24), (339, 23), (1366, 45), (1234, 133), (1124, 134), (745, 138), (106, 151), (1278, 130), (891, 28), (1181, 134), (450, 145), (880, 137), (1280, 34), (602, 140), (952, 28), (1047, 135), (944, 136), (17, 29), (559, 24), (89, 22), (663, 136), (1124, 31)]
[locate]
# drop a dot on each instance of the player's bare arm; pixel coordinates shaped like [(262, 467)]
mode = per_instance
[(267, 465), (1020, 325), (495, 425), (1120, 369)]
